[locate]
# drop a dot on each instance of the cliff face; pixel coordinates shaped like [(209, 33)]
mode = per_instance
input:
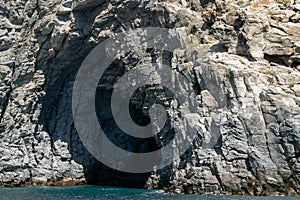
[(247, 85)]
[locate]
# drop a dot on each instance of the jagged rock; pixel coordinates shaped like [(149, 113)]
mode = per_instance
[(242, 59), (84, 4)]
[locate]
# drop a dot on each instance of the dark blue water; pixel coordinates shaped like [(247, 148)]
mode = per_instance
[(94, 192)]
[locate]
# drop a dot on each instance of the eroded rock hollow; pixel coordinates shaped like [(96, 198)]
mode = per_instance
[(247, 85)]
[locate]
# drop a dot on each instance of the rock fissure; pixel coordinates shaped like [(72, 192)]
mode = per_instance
[(245, 77)]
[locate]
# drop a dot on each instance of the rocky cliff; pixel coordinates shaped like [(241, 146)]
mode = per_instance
[(247, 85)]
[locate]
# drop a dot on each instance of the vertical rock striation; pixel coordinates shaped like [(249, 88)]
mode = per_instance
[(247, 85)]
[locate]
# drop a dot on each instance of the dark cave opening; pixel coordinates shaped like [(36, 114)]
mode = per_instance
[(58, 99), (275, 59)]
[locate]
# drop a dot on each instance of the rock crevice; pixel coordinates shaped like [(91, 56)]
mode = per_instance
[(242, 59)]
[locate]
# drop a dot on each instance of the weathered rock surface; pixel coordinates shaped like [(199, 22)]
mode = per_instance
[(248, 87)]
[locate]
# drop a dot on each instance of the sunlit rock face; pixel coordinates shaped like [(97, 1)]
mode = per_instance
[(83, 4), (242, 60)]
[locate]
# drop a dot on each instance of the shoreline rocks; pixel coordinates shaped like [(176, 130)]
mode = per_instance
[(246, 76)]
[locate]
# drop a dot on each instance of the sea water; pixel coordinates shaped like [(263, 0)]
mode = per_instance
[(111, 193)]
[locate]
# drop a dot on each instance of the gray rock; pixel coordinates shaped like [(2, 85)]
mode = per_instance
[(245, 77)]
